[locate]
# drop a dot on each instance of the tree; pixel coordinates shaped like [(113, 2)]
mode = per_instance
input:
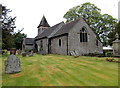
[(101, 24), (112, 34), (8, 25), (18, 39), (10, 39), (118, 29)]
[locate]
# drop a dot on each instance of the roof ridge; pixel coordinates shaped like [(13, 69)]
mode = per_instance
[(43, 22), (59, 25), (66, 28), (48, 32)]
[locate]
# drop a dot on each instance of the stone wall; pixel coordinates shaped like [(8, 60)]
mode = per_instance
[(44, 48), (82, 48), (56, 49), (29, 47), (116, 47), (71, 42)]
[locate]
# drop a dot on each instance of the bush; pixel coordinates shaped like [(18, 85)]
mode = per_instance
[(5, 53), (101, 55), (108, 54)]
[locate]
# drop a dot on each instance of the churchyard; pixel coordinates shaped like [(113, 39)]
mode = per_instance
[(61, 70)]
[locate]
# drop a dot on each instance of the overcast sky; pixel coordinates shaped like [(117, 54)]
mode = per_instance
[(30, 12)]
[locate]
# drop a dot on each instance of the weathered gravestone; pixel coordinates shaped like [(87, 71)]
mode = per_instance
[(116, 46), (12, 64), (30, 53), (23, 53), (19, 52)]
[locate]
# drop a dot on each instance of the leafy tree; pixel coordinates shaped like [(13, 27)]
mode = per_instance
[(101, 24), (18, 39), (8, 25), (10, 39), (118, 29), (112, 34)]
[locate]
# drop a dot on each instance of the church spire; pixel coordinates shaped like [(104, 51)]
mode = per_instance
[(43, 23)]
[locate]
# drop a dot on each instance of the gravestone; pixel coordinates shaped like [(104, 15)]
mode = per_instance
[(76, 52), (13, 51), (30, 53), (19, 52), (23, 53), (12, 64), (116, 46), (73, 53)]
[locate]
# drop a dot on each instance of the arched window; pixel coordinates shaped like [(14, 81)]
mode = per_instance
[(96, 42), (59, 42), (83, 35)]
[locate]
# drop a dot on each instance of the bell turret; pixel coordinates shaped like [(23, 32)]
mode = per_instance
[(43, 25)]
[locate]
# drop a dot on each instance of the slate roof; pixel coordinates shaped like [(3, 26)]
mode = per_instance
[(29, 41), (44, 23), (48, 31), (65, 28)]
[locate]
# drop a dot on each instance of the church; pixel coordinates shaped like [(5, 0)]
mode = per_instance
[(74, 38)]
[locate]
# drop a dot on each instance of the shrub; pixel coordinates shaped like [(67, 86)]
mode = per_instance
[(108, 54), (5, 53)]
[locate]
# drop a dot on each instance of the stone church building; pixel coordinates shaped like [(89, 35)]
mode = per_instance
[(28, 44), (74, 38)]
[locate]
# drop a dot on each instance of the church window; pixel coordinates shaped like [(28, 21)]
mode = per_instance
[(59, 42), (96, 42), (83, 35)]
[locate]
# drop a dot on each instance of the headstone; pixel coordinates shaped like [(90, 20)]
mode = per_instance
[(116, 46), (12, 64), (71, 53), (13, 51), (23, 53), (74, 53), (30, 53), (19, 52)]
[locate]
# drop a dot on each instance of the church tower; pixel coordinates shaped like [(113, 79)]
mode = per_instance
[(43, 25)]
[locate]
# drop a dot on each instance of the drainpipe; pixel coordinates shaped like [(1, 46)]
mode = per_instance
[(67, 44)]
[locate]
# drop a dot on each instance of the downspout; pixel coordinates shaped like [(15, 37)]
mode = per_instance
[(67, 44), (49, 45)]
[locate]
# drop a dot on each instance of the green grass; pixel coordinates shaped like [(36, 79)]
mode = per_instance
[(59, 70)]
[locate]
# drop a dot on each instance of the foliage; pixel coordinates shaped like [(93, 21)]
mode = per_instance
[(112, 34), (61, 70), (118, 29), (111, 37), (108, 53), (8, 25), (18, 39), (5, 53), (101, 24), (10, 39)]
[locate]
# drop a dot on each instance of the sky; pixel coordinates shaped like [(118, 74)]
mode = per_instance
[(30, 12)]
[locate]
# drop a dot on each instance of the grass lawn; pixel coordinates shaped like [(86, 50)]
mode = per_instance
[(59, 70)]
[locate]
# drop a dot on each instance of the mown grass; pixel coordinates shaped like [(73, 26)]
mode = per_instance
[(60, 70)]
